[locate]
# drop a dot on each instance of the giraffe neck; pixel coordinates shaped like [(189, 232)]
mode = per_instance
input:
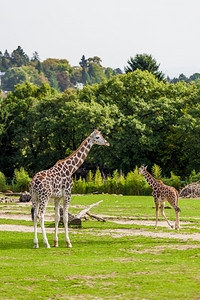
[(76, 159), (149, 178)]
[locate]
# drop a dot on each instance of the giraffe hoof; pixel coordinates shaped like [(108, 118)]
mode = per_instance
[(55, 244), (69, 245), (47, 246), (36, 246)]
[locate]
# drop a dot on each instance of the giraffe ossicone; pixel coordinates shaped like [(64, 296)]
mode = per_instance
[(162, 193), (57, 182)]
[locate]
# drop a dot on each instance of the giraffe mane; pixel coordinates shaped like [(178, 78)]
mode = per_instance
[(154, 177), (64, 159)]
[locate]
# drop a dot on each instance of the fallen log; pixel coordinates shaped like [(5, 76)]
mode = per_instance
[(76, 219)]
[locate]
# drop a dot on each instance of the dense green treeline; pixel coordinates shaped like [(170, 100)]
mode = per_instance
[(146, 121), (17, 68)]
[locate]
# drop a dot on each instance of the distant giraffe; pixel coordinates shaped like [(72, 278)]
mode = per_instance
[(57, 182), (162, 193)]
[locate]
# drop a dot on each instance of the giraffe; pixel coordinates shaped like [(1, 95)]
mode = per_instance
[(57, 182), (162, 193)]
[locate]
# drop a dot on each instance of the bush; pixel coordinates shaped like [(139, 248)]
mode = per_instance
[(131, 184), (174, 181), (194, 177), (21, 180), (2, 182), (79, 186), (136, 184), (156, 172), (115, 184)]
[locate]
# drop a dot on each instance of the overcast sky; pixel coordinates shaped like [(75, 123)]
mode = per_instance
[(114, 30)]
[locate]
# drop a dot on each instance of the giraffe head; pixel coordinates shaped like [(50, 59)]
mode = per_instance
[(97, 138), (142, 169)]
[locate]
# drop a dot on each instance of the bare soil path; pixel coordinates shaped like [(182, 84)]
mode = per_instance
[(16, 213)]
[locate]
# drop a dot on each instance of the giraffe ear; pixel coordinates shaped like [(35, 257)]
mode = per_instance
[(146, 167)]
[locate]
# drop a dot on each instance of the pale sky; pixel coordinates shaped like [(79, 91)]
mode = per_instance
[(114, 30)]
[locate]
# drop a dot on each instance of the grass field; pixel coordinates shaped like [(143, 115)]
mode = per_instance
[(123, 258)]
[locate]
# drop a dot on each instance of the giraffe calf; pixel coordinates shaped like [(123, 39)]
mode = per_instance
[(162, 193)]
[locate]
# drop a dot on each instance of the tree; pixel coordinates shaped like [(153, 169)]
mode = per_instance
[(96, 60), (5, 61), (19, 58), (144, 62), (58, 72), (145, 113), (109, 72), (118, 71), (83, 62), (39, 66), (76, 75), (92, 71), (63, 81), (19, 141), (95, 72), (34, 76), (18, 75), (194, 77), (12, 77), (85, 76), (35, 57)]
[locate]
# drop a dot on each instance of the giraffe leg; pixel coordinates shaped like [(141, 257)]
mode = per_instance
[(35, 227), (57, 219), (34, 211), (43, 231), (163, 214), (157, 209), (177, 210), (65, 220)]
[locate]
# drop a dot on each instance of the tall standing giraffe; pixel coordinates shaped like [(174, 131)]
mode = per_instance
[(57, 182), (162, 193)]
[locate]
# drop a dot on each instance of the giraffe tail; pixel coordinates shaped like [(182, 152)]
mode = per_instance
[(177, 208), (32, 213)]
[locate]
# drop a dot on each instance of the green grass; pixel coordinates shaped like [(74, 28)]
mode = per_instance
[(102, 265)]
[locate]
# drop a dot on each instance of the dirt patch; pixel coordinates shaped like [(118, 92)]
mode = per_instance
[(145, 222), (116, 233), (7, 216), (158, 249)]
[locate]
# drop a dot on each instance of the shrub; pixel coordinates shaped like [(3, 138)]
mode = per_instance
[(115, 184), (2, 182), (136, 184), (174, 181), (21, 180), (194, 177), (79, 186), (132, 184), (90, 177), (98, 178), (156, 172)]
